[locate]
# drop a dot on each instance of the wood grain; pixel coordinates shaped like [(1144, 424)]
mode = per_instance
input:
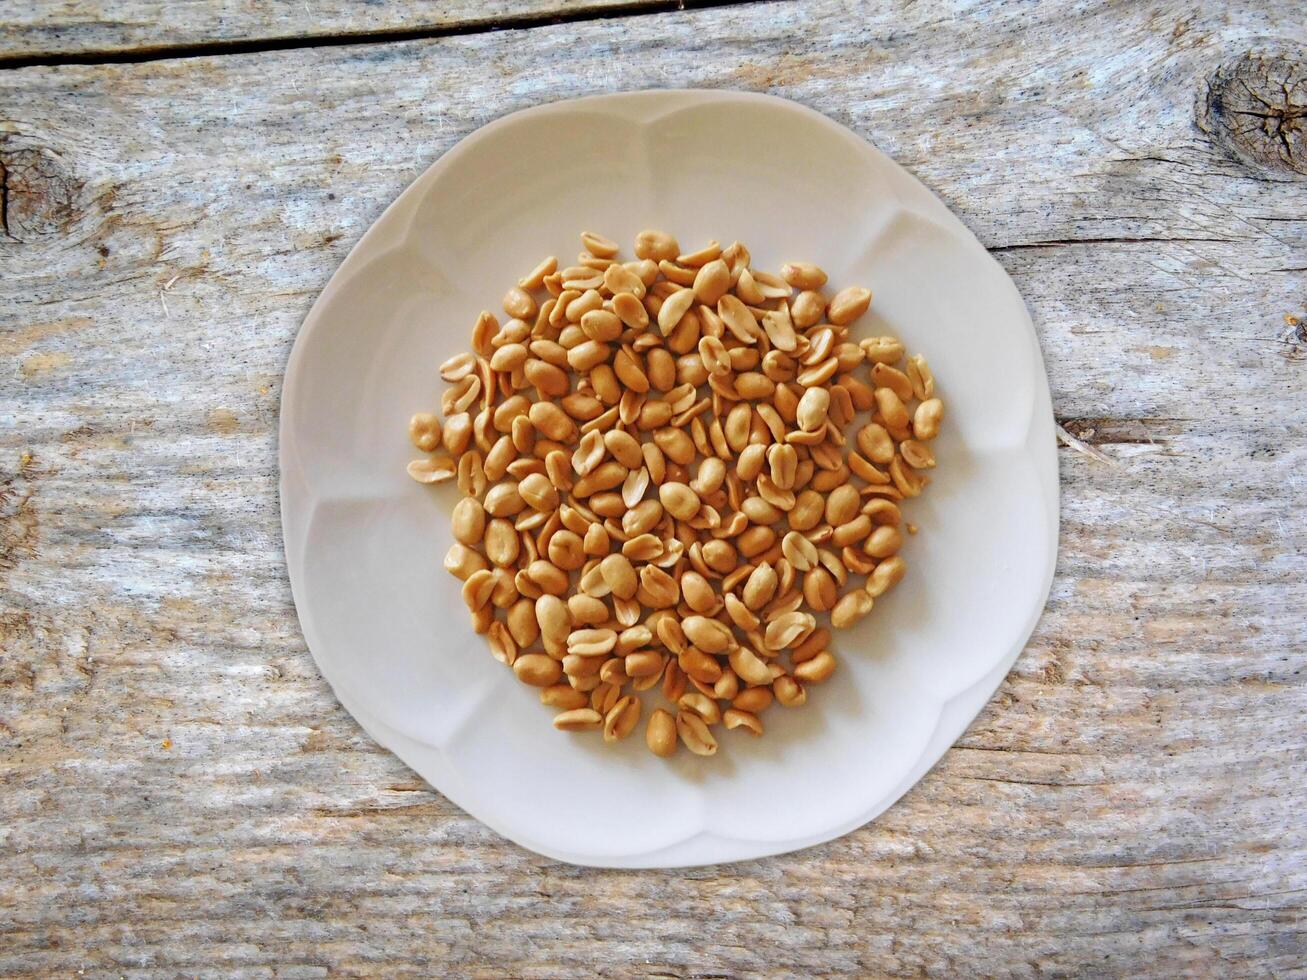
[(96, 29), (181, 793)]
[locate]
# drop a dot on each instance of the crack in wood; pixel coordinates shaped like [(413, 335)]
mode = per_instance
[(208, 49), (1062, 242), (4, 200)]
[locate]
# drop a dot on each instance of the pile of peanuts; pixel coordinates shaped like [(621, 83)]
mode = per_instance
[(657, 487)]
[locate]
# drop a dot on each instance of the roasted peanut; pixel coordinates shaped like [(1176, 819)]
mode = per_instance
[(734, 411)]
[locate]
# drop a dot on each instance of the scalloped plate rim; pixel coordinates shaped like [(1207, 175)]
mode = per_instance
[(955, 712)]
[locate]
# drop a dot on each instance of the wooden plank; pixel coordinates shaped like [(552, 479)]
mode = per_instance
[(91, 29), (181, 794)]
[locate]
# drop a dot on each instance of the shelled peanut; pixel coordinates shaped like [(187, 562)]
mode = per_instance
[(659, 491)]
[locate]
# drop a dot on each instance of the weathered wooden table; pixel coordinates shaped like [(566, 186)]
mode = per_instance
[(179, 791)]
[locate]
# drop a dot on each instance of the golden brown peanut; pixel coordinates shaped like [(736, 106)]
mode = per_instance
[(699, 666), (424, 431), (582, 277), (754, 541), (643, 663), (886, 575), (702, 705), (522, 625), (720, 556), (808, 510), (882, 511), (807, 309), (906, 480), (923, 381), (469, 521), (538, 492), (926, 420), (509, 358), (562, 696), (788, 629), (578, 720), (460, 366), (679, 500), (537, 669), (675, 445), (657, 246), (548, 576), (875, 443), (624, 448), (535, 279), (882, 350), (605, 476), (799, 551), (461, 561), (627, 367), (754, 699), (622, 718), (851, 531), (726, 686), (619, 279), (502, 645), (699, 595), (819, 589), (706, 254), (607, 694), (435, 470), (711, 282), (503, 501), (555, 622), (815, 670), (630, 310), (738, 319), (760, 586), (803, 275), (657, 588), (552, 421), (735, 718), (743, 617), (660, 733), (851, 608), (749, 666), (817, 641), (673, 309), (778, 325), (694, 732), (586, 610), (618, 572), (812, 409), (477, 589), (884, 376), (598, 245), (708, 635), (917, 454), (501, 542), (591, 642), (566, 550), (788, 691), (884, 542), (842, 505), (848, 304)]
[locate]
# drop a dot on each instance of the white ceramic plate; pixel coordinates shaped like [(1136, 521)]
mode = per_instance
[(364, 543)]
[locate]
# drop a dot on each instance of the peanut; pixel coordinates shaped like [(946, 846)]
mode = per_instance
[(669, 507)]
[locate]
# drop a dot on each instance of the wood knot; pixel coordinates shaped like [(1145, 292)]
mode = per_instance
[(38, 192), (1255, 107)]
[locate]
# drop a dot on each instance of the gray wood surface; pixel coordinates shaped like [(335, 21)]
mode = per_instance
[(180, 793), (87, 29)]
